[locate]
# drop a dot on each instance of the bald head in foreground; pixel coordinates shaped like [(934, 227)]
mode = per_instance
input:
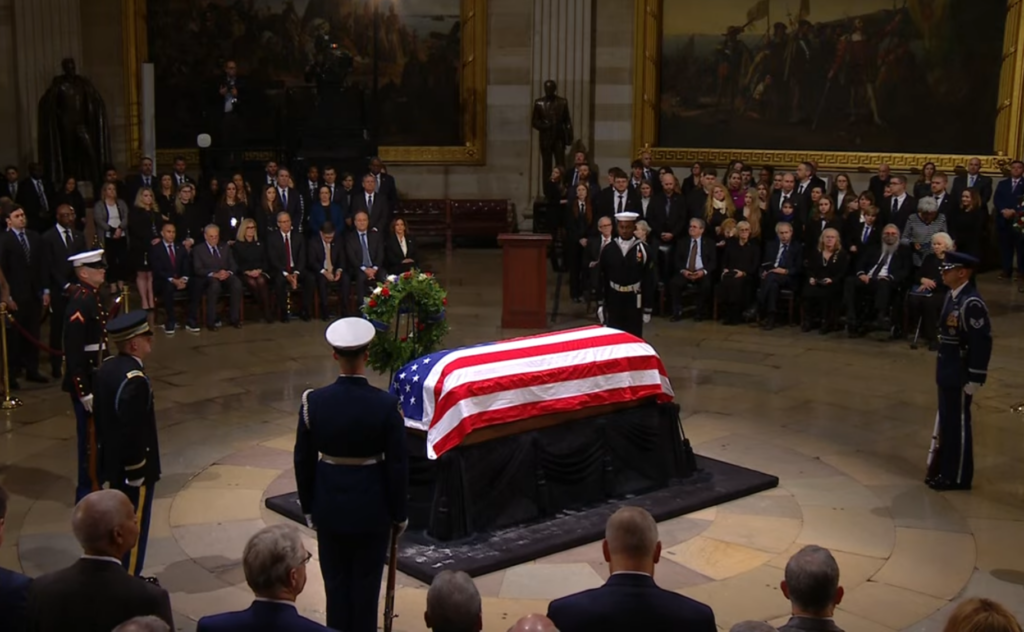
[(96, 592), (534, 623), (812, 587), (630, 600)]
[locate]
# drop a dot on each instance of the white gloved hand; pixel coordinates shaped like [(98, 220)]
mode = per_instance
[(402, 526), (647, 318), (600, 315), (137, 482), (309, 521), (86, 402), (971, 388)]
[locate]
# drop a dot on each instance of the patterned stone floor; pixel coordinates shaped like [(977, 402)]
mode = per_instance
[(844, 424)]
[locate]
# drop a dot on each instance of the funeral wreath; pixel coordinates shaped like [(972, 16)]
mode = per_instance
[(408, 311)]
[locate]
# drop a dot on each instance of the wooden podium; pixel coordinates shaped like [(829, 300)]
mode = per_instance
[(524, 281)]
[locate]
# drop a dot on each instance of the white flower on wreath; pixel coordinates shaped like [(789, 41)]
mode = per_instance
[(392, 278), (377, 290), (423, 276)]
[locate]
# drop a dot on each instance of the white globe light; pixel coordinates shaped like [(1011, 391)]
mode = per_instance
[(204, 140)]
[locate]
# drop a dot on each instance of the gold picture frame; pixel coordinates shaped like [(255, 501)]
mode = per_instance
[(473, 87), (1008, 142)]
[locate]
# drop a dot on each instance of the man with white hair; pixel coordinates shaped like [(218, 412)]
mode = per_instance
[(630, 600), (274, 562), (453, 604), (812, 587), (96, 593), (883, 268)]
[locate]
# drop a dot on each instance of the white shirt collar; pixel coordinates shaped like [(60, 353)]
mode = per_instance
[(955, 293), (281, 601), (630, 573), (102, 558), (902, 197)]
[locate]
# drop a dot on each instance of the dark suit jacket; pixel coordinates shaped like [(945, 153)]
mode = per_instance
[(947, 206), (134, 182), (708, 254), (853, 235), (809, 624), (380, 214), (814, 182), (27, 279), (1007, 197), (261, 616), (899, 264), (792, 261), (630, 602), (877, 187), (316, 255), (983, 184), (93, 596), (775, 203), (667, 216), (393, 256), (295, 207), (204, 262), (277, 256), (160, 261), (354, 250), (906, 210), (60, 271), (14, 589), (605, 203), (572, 178), (386, 186), (28, 198)]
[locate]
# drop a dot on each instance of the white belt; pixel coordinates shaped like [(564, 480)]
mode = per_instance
[(625, 288), (95, 347), (346, 460)]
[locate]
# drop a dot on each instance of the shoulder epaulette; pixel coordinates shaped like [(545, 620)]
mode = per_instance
[(135, 373)]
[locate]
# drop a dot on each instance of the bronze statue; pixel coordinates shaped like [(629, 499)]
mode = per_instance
[(74, 133), (551, 118)]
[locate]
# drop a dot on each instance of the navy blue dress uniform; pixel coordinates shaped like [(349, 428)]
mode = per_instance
[(626, 282), (351, 469), (85, 320), (965, 346), (126, 427), (262, 616)]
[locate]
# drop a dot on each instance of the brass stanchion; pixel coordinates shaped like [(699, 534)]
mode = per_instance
[(8, 403), (124, 300)]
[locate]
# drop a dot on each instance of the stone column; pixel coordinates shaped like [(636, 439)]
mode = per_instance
[(613, 85), (563, 51), (45, 32)]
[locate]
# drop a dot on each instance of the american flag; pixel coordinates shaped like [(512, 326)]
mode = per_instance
[(450, 393)]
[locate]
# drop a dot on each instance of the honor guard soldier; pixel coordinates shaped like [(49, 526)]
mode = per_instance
[(626, 286), (351, 467), (965, 346), (84, 350), (126, 424)]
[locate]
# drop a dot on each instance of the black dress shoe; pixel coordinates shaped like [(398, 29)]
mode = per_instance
[(941, 484), (37, 378)]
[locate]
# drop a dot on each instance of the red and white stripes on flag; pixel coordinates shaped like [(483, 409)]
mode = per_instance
[(475, 387)]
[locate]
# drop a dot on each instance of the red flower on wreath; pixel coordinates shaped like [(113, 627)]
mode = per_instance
[(444, 301), (405, 339), (428, 274), (420, 326), (385, 292), (373, 303), (407, 275)]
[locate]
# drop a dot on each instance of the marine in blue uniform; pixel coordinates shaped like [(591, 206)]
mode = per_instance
[(351, 467), (126, 424), (626, 286), (84, 350), (965, 346)]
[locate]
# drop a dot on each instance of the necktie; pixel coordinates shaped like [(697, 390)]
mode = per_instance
[(327, 258), (332, 192), (284, 198), (619, 207), (879, 266), (215, 251), (366, 251), (583, 210), (604, 242), (67, 239), (895, 206), (867, 231), (145, 180), (802, 187), (170, 253), (24, 246), (691, 263), (288, 249), (576, 178), (782, 254), (42, 196), (970, 181), (369, 202), (938, 198), (14, 190)]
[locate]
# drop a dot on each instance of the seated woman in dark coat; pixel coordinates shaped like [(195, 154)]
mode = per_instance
[(251, 259), (823, 290), (967, 223), (400, 254), (740, 263), (325, 211), (70, 195), (927, 292)]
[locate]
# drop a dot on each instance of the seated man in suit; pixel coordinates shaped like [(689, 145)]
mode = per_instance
[(215, 265), (172, 273), (780, 271), (13, 586), (364, 251), (286, 256), (812, 587), (96, 592), (630, 600), (694, 265), (325, 263), (453, 604), (274, 562), (881, 271)]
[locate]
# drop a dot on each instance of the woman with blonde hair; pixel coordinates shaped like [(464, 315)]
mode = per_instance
[(753, 212), (823, 289), (143, 233), (111, 215), (717, 209), (189, 218), (981, 615), (251, 259)]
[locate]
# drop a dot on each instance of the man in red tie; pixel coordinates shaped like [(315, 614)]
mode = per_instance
[(286, 252), (172, 274), (216, 267)]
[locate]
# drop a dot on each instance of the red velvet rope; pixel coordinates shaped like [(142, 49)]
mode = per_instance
[(44, 347)]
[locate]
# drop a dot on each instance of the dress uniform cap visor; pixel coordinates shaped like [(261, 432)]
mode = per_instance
[(349, 334), (958, 260), (626, 217), (128, 326), (91, 259)]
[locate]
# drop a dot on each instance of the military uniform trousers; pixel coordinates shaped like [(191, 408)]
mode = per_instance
[(142, 501), (352, 565), (622, 311), (88, 479)]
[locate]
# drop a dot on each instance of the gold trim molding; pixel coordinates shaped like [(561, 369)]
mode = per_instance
[(473, 86), (1008, 142)]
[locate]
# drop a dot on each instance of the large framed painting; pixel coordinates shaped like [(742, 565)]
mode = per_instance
[(847, 83), (426, 57)]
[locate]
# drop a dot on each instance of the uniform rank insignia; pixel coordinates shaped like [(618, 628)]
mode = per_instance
[(639, 255), (977, 323), (953, 319), (77, 316)]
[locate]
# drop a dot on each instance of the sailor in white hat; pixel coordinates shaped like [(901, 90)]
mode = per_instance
[(626, 286), (85, 320), (351, 469)]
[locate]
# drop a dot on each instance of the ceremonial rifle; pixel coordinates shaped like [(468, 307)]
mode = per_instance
[(389, 595)]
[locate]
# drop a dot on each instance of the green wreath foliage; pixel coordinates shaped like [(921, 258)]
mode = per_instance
[(413, 305)]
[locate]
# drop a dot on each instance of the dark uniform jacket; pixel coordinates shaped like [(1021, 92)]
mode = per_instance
[(126, 422), (85, 324), (965, 339), (93, 595), (351, 419), (261, 616), (14, 589)]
